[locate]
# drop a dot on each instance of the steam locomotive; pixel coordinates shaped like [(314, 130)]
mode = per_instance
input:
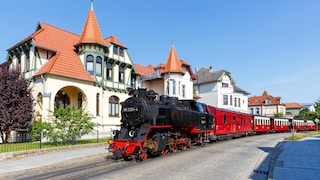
[(152, 126)]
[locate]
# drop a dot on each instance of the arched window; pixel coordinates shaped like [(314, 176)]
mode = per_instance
[(40, 100), (114, 106), (79, 100), (61, 99), (98, 104), (89, 61), (98, 66)]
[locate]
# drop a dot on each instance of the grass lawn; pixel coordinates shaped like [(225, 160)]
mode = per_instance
[(296, 137)]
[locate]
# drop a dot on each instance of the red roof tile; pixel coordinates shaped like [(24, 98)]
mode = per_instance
[(261, 100), (66, 62), (91, 32), (173, 64), (114, 40), (293, 105)]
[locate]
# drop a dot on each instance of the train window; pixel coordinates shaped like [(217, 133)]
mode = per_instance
[(234, 119), (224, 119), (249, 121), (241, 120)]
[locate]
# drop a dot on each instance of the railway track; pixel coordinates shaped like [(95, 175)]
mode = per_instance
[(82, 171)]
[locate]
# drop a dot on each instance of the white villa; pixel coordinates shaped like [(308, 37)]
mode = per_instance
[(218, 88), (85, 71)]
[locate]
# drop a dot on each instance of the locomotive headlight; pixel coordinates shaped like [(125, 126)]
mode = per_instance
[(131, 133)]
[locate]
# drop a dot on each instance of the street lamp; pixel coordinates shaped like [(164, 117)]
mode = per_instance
[(316, 120)]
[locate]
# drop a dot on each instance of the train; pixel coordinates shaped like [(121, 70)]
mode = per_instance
[(153, 125)]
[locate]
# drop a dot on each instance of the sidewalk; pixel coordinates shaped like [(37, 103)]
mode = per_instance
[(291, 160), (297, 159), (35, 162)]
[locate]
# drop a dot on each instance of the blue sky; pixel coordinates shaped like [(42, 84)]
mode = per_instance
[(271, 45)]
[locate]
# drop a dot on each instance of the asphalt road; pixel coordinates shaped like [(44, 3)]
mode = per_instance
[(242, 158)]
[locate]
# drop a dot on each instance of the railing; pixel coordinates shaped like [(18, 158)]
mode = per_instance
[(23, 142)]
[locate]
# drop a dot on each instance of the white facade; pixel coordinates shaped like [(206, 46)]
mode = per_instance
[(64, 76), (218, 89)]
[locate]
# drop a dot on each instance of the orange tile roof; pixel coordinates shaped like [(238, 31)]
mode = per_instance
[(173, 64), (114, 40), (91, 32), (293, 105), (144, 70), (260, 100), (66, 62)]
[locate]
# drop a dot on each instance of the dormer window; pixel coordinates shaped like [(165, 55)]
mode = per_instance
[(267, 101), (225, 85), (121, 52), (157, 70), (89, 64), (115, 50)]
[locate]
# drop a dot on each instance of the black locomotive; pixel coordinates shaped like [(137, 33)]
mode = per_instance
[(155, 126)]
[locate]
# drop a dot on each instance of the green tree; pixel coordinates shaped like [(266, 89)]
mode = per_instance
[(278, 115), (67, 124)]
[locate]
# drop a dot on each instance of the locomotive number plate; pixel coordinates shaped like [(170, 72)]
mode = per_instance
[(130, 109)]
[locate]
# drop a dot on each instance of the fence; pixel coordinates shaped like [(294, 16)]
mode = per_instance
[(23, 141)]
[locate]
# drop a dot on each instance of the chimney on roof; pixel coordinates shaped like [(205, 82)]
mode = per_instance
[(210, 69)]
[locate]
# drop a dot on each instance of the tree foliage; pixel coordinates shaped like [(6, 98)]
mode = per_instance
[(67, 124), (16, 101), (306, 114)]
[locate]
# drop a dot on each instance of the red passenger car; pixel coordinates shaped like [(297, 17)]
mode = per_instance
[(280, 124), (231, 124), (262, 124), (304, 125)]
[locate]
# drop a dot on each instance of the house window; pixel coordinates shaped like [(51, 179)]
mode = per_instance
[(183, 90), (115, 50), (267, 101), (179, 86), (98, 66), (235, 102), (230, 100), (225, 85), (114, 106), (133, 80), (121, 74), (157, 71), (173, 87), (121, 52), (27, 61), (109, 72), (40, 100), (251, 110), (98, 104), (225, 99), (89, 61), (79, 100), (257, 110), (239, 104)]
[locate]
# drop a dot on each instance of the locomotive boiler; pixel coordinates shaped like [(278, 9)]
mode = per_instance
[(152, 125)]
